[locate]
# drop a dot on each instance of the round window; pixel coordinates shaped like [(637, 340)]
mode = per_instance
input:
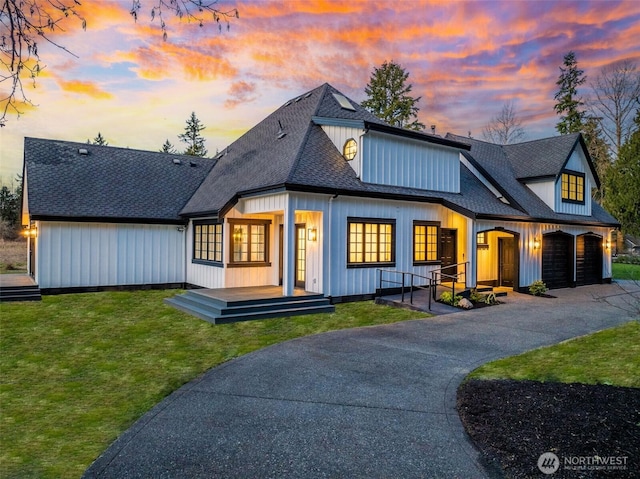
[(350, 149)]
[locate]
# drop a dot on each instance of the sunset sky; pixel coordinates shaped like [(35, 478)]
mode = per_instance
[(465, 59)]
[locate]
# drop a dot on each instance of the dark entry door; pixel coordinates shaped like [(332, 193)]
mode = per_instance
[(588, 259), (557, 260), (508, 260), (448, 251), (301, 255)]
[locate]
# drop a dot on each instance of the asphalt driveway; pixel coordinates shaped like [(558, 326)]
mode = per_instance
[(375, 402)]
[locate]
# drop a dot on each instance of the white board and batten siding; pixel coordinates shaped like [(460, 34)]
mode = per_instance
[(397, 161), (343, 281), (71, 254), (577, 162), (339, 135), (530, 258)]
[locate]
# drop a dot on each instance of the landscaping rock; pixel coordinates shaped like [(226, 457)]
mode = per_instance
[(465, 304)]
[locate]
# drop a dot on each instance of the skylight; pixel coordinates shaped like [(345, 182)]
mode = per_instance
[(344, 103)]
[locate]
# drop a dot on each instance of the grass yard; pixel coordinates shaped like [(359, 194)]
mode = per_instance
[(77, 370), (13, 256), (609, 357), (626, 271)]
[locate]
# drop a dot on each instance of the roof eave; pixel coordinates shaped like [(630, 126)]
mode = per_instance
[(416, 135)]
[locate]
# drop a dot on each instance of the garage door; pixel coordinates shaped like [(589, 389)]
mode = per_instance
[(588, 259), (557, 260)]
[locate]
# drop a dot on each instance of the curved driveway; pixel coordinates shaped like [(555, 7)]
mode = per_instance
[(376, 402)]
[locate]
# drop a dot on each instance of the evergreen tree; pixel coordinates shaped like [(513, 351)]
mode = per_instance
[(388, 97), (622, 183), (98, 140), (192, 137), (569, 104), (167, 147), (598, 151)]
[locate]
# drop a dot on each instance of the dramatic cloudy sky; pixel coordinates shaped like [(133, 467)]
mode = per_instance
[(465, 59)]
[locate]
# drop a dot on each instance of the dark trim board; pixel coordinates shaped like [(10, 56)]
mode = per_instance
[(124, 287)]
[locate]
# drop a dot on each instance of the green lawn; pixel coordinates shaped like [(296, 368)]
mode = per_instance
[(77, 370), (626, 271), (609, 357)]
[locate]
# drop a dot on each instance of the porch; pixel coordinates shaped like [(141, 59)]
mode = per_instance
[(227, 305), (18, 287)]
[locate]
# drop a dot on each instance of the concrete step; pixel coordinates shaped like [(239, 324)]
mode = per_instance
[(20, 293)]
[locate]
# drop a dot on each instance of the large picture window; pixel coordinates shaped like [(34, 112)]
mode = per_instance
[(249, 242), (207, 242), (572, 187), (425, 242), (370, 241)]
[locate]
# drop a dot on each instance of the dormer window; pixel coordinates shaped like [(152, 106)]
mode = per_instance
[(572, 187), (350, 149)]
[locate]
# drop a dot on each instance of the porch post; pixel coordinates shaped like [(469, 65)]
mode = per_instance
[(472, 240), (288, 273)]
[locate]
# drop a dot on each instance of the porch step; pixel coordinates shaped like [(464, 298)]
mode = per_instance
[(20, 293), (219, 311)]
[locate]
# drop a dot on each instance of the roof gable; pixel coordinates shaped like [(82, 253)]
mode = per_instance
[(108, 183)]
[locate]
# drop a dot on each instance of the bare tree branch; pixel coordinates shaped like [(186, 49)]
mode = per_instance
[(505, 128), (616, 96), (25, 23)]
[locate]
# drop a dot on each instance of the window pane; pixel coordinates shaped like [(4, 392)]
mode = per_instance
[(370, 243), (385, 243), (257, 242), (432, 243), (218, 241), (355, 242), (240, 243), (196, 244), (419, 242), (580, 188), (565, 186)]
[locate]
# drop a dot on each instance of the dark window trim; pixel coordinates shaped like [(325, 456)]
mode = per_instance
[(378, 221), (577, 174), (437, 224), (208, 262), (249, 221)]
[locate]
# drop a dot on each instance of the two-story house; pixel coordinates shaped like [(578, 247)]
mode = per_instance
[(317, 196)]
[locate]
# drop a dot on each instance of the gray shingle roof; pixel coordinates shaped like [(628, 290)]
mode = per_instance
[(503, 165), (117, 184)]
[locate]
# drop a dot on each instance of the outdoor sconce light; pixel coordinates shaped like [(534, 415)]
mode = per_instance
[(607, 244), (536, 243), (30, 232), (312, 234)]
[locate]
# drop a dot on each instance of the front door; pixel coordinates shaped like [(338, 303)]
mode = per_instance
[(507, 261), (448, 252), (301, 255)]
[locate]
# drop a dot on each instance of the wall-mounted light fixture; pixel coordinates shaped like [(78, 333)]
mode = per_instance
[(536, 243), (181, 229), (312, 234), (607, 244), (30, 232)]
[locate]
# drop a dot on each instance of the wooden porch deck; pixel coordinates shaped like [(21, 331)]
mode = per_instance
[(226, 305)]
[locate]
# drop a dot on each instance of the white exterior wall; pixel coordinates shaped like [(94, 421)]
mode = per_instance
[(545, 190), (530, 259), (339, 136), (72, 254), (577, 162), (343, 281), (392, 160)]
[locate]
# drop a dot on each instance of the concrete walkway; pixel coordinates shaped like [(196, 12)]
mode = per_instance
[(375, 402)]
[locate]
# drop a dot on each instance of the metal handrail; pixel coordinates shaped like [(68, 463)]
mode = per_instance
[(453, 277), (403, 284)]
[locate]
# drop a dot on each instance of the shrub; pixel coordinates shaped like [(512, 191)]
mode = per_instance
[(491, 299), (626, 259), (537, 288), (449, 298)]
